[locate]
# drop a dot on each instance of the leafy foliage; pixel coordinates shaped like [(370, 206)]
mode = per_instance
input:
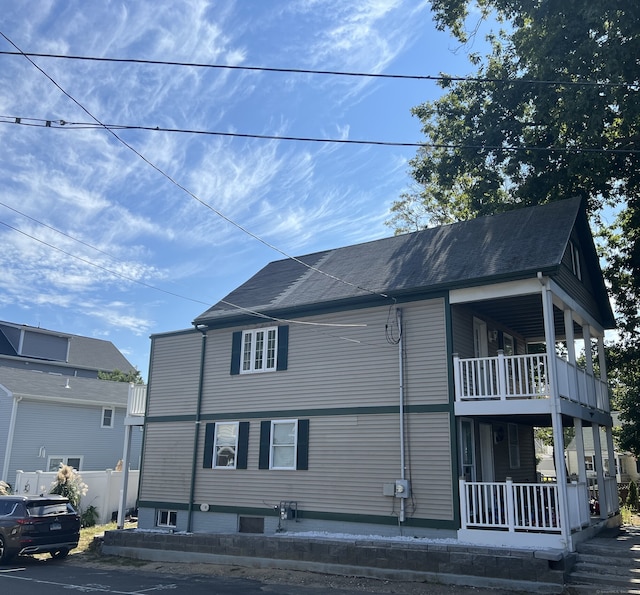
[(553, 112), (632, 497), (69, 483), (133, 376), (89, 517)]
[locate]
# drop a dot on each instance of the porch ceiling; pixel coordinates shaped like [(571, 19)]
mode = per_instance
[(536, 421), (523, 314)]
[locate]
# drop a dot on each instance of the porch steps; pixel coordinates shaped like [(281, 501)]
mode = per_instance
[(609, 563)]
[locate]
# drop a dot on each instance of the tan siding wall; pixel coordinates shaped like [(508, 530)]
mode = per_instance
[(341, 366), (174, 375), (166, 473), (350, 458)]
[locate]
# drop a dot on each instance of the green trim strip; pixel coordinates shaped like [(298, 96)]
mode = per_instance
[(453, 422), (286, 413), (309, 514)]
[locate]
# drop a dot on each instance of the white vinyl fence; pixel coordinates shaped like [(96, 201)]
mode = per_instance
[(103, 492)]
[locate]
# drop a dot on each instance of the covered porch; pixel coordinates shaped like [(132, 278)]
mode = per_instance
[(544, 376)]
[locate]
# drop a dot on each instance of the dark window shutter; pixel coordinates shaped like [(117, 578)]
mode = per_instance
[(207, 459), (265, 444), (283, 347), (303, 445), (243, 445), (236, 351)]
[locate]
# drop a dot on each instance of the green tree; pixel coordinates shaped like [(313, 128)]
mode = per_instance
[(120, 376), (552, 112), (632, 496)]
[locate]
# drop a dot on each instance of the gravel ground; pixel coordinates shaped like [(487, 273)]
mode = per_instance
[(326, 583)]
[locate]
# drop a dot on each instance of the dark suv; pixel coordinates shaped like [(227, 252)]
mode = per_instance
[(37, 524)]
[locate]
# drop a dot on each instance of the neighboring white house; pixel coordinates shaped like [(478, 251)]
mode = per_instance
[(53, 407)]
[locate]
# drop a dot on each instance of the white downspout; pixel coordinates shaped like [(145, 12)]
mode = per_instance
[(401, 410), (12, 427), (556, 416)]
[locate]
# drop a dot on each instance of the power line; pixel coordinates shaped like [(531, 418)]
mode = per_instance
[(420, 77), (187, 191), (65, 124)]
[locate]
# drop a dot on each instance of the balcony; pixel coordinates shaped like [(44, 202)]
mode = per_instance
[(511, 378), (136, 404)]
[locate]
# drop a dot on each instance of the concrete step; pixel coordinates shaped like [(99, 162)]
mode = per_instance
[(599, 573), (613, 562)]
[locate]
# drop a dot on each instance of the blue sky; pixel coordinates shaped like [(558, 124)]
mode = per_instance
[(88, 195)]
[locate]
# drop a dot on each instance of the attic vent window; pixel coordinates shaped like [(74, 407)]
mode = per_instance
[(575, 260)]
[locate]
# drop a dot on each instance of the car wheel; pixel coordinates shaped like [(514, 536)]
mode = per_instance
[(60, 554), (5, 556)]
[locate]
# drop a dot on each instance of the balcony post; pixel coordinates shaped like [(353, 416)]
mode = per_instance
[(456, 377), (511, 506), (463, 503), (502, 375), (597, 461), (556, 416)]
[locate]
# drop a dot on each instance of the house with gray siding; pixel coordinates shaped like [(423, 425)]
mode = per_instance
[(53, 407), (393, 388)]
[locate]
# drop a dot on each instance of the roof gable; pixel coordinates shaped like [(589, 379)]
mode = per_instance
[(509, 245)]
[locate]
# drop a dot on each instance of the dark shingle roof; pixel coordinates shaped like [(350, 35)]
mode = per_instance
[(509, 245)]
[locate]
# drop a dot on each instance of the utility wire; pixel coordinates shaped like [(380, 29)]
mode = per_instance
[(437, 78), (60, 124), (186, 190)]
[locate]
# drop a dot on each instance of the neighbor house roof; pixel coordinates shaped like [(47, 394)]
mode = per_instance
[(511, 245), (83, 352), (44, 386)]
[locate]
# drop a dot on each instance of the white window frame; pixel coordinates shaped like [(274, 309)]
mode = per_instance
[(258, 353), (236, 425), (111, 419), (513, 440), (273, 446), (64, 460), (170, 515), (575, 260)]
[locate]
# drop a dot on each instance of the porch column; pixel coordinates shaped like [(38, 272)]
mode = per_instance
[(597, 461), (579, 438), (556, 417), (611, 454), (602, 361), (571, 353)]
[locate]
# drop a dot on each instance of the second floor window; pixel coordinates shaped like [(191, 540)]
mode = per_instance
[(259, 349), (107, 417)]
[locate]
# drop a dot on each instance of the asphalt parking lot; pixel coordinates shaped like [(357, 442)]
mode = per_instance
[(92, 574)]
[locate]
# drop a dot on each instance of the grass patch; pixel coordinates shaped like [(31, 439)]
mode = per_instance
[(88, 536)]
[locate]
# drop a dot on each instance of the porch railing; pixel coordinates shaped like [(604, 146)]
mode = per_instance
[(136, 403), (509, 506), (503, 377)]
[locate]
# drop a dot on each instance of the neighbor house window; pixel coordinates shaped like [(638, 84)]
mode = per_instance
[(514, 446), (167, 518), (55, 462), (284, 444), (260, 350), (226, 445), (107, 417)]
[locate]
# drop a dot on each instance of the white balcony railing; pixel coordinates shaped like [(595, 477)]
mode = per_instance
[(504, 377), (511, 506), (137, 400)]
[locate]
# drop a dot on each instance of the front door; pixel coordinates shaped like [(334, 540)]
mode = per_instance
[(467, 450)]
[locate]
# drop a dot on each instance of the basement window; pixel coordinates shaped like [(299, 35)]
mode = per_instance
[(167, 518)]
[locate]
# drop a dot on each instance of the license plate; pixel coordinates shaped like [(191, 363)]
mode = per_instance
[(55, 527)]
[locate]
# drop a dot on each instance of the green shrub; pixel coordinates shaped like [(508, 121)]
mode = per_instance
[(632, 496), (89, 517)]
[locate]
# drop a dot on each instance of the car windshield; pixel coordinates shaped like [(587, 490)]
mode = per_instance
[(48, 508)]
